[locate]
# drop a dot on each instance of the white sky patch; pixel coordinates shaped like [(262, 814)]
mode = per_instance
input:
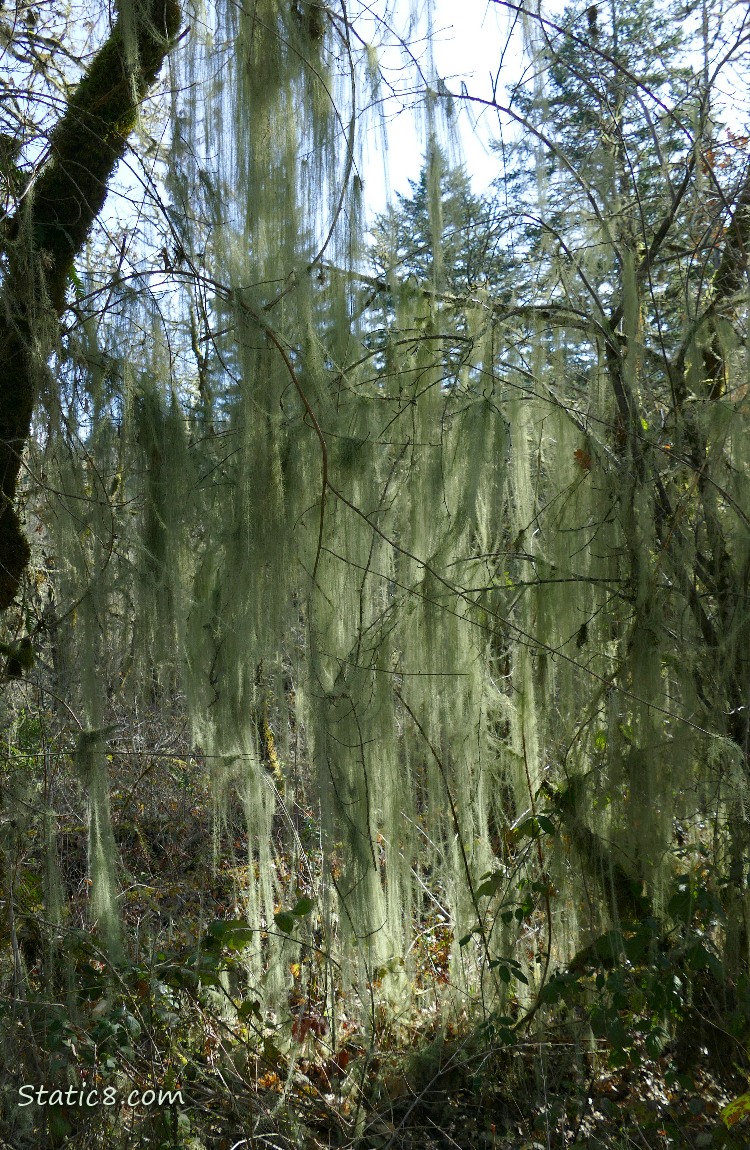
[(474, 54), (477, 53)]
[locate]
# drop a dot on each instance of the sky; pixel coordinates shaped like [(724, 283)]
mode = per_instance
[(468, 41), (473, 42)]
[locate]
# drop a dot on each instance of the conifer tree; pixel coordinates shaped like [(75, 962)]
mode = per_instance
[(440, 547), (630, 262)]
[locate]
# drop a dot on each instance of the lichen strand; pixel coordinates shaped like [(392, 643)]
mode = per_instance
[(90, 139), (85, 147)]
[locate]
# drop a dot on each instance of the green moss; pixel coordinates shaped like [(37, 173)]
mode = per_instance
[(85, 146), (14, 555), (16, 404), (91, 138)]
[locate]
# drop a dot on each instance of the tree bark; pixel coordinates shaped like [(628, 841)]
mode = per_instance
[(54, 220)]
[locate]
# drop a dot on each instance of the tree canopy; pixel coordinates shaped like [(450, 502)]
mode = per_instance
[(375, 603)]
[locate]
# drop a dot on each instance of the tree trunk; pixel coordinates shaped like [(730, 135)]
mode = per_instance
[(51, 228)]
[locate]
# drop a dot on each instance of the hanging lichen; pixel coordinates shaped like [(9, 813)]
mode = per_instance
[(91, 768), (423, 552)]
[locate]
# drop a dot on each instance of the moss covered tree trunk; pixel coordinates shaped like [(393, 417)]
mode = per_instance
[(51, 227)]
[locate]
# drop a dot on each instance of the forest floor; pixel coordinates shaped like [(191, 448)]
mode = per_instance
[(535, 1097), (263, 1081), (453, 1089), (598, 1110)]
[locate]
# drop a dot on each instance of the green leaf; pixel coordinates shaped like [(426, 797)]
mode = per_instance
[(232, 933), (681, 904), (655, 1040), (249, 1008), (22, 654), (271, 1052), (700, 957), (239, 937), (285, 921), (207, 978), (617, 1032), (538, 825), (638, 946), (58, 1125), (736, 1110), (608, 947), (75, 279), (490, 886), (217, 929)]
